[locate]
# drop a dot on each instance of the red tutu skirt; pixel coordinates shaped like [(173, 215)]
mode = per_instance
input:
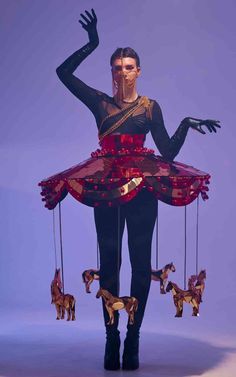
[(115, 174)]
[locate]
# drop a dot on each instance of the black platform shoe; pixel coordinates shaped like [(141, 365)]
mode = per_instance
[(112, 352), (130, 359)]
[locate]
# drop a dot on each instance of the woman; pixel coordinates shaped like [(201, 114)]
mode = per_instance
[(123, 121)]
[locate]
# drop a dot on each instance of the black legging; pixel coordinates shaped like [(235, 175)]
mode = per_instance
[(140, 216)]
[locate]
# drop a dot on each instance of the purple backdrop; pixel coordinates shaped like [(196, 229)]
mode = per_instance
[(187, 51)]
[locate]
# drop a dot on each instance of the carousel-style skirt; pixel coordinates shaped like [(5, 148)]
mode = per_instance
[(114, 175)]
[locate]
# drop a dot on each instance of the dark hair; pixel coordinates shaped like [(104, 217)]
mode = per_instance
[(126, 52)]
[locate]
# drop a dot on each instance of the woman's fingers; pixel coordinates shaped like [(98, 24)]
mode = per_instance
[(91, 18), (210, 124), (85, 18), (213, 128), (94, 14), (216, 123), (201, 130), (198, 128), (83, 24)]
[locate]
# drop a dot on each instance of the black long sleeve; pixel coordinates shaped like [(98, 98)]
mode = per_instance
[(83, 92), (169, 147)]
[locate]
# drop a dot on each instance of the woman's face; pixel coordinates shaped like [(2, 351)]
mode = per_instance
[(125, 72)]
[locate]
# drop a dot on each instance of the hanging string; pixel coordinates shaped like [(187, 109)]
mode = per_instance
[(62, 266), (118, 252), (97, 255), (157, 238), (185, 246), (197, 234), (54, 237)]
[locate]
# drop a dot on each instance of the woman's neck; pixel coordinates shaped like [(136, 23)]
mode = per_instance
[(127, 95)]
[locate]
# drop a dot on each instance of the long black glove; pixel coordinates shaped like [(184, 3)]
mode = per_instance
[(197, 124), (70, 64), (65, 71), (89, 23)]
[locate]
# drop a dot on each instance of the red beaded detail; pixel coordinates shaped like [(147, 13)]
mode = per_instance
[(104, 152)]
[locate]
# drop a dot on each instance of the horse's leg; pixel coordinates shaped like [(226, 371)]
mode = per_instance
[(66, 306), (62, 311), (177, 311), (129, 308), (88, 286), (179, 307), (195, 306), (195, 312), (111, 315), (163, 286), (73, 309), (176, 305), (58, 311), (131, 317), (68, 312)]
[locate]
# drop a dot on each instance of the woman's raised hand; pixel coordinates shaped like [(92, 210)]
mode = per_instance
[(197, 124), (89, 23)]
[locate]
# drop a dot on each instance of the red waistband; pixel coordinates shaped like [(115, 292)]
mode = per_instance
[(121, 145), (116, 142)]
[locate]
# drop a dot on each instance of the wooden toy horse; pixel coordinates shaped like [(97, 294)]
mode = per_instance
[(112, 303), (88, 277), (180, 296), (62, 301), (162, 276)]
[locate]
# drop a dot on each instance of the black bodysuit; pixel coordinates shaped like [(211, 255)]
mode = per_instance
[(139, 213)]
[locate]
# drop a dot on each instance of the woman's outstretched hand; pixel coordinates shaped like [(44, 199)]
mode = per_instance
[(197, 124), (89, 23)]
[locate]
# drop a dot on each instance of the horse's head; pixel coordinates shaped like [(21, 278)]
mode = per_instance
[(170, 266), (202, 274), (104, 293), (56, 283), (169, 286)]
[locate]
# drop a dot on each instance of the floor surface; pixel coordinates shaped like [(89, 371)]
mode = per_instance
[(40, 346)]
